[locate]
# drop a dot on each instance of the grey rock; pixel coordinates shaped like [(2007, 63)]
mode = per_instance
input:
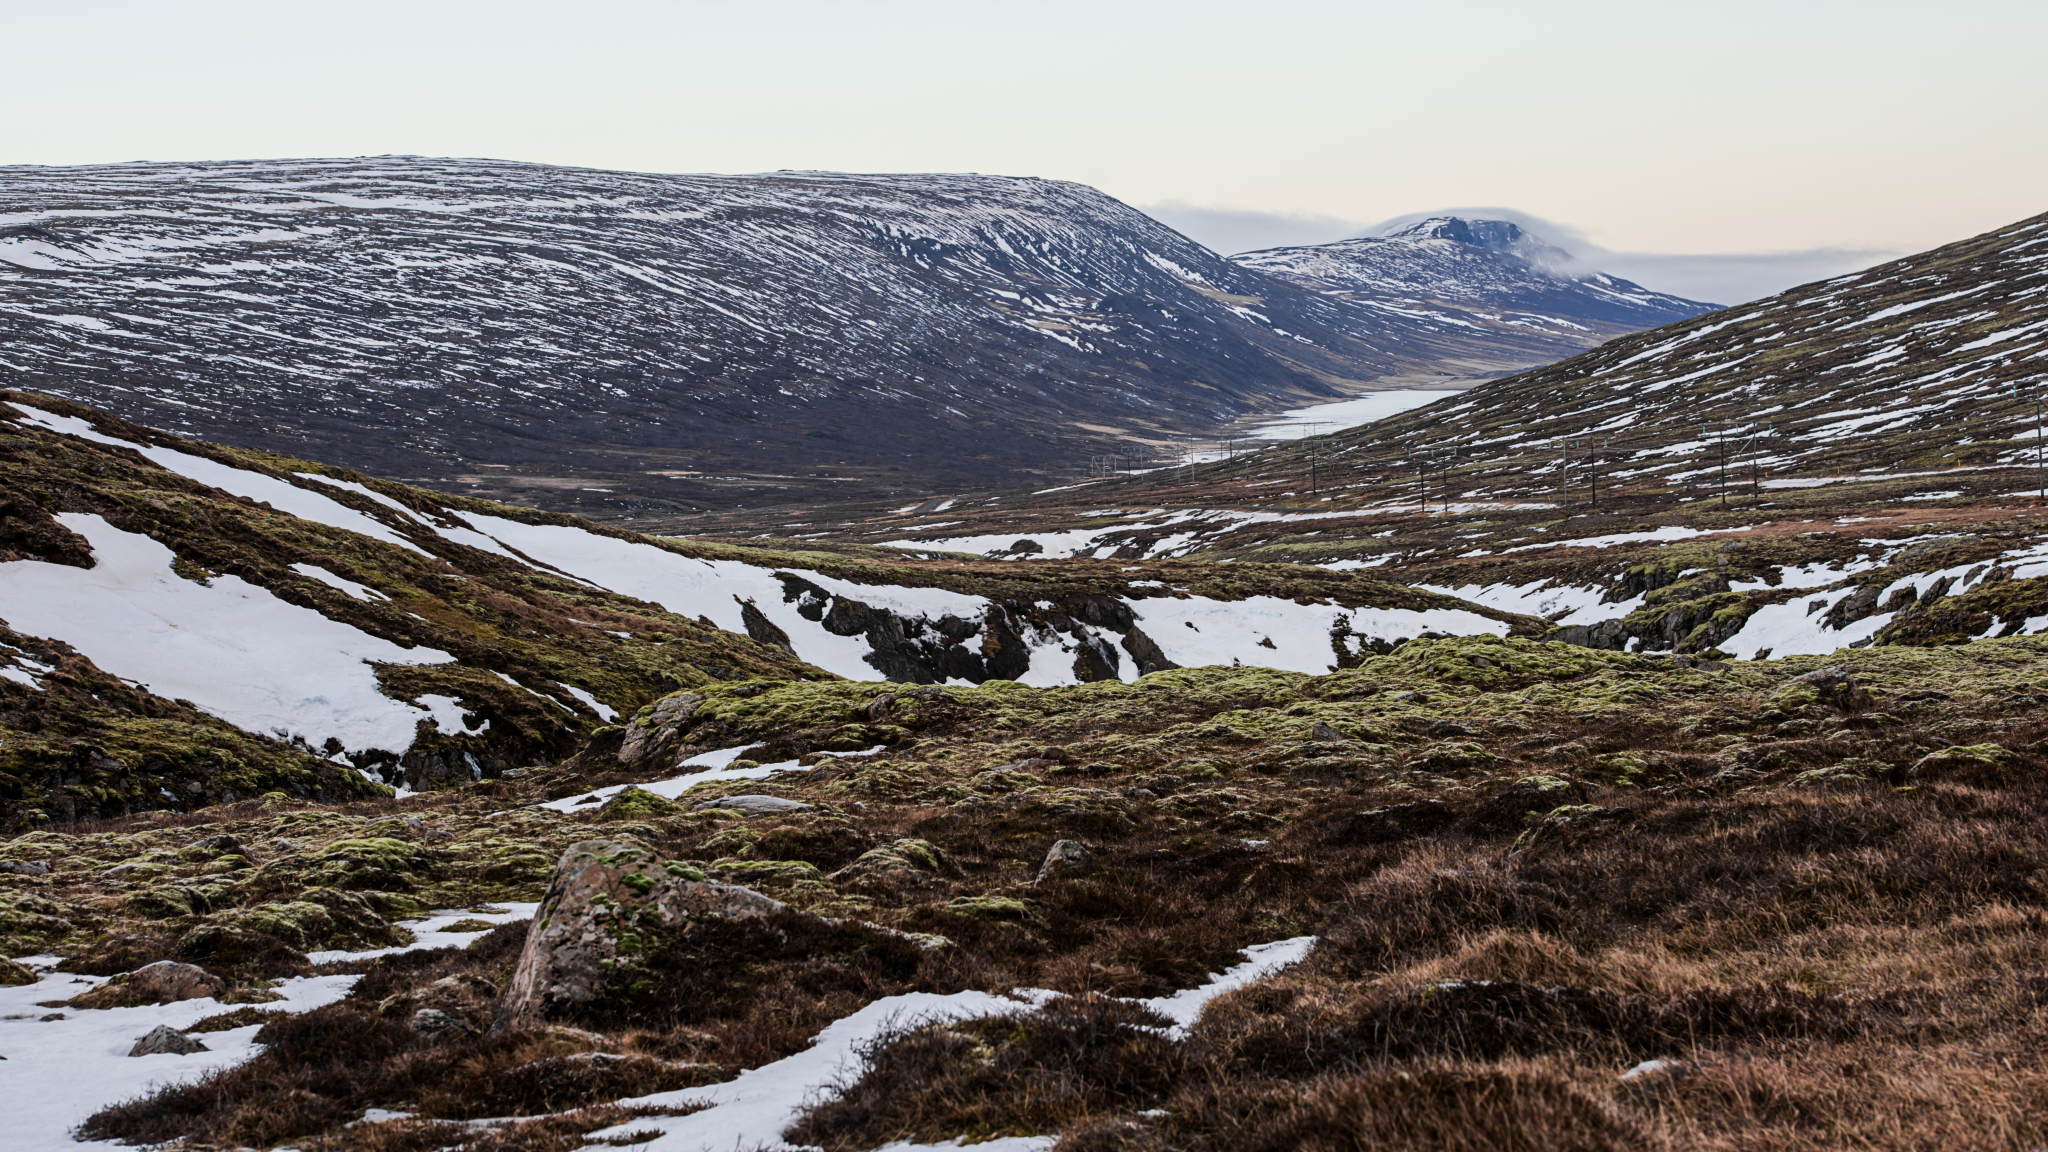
[(756, 805), (164, 982), (26, 867), (434, 1023), (437, 835), (166, 1040), (669, 715), (1834, 685), (168, 981), (1324, 734), (601, 891), (1063, 856)]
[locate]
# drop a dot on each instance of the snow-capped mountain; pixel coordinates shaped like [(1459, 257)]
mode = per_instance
[(538, 333), (1487, 273), (423, 317), (1926, 363)]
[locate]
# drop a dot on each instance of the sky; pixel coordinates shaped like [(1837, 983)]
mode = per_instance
[(1792, 131)]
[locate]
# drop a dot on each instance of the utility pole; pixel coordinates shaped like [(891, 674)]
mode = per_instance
[(1724, 467), (1593, 476)]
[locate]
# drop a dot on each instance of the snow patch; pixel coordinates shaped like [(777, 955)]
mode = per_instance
[(232, 648)]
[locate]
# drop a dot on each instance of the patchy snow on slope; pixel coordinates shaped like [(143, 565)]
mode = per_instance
[(236, 481), (1261, 960), (1582, 605), (605, 712), (431, 930), (1661, 535), (1799, 628), (446, 713), (232, 648), (1270, 632), (59, 1072), (711, 766), (359, 591), (691, 586)]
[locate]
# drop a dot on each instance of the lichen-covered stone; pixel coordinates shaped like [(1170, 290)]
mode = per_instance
[(164, 1040), (1064, 856), (603, 912), (164, 982)]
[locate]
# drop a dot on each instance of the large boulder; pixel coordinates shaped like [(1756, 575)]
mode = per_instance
[(607, 907), (164, 982), (654, 728)]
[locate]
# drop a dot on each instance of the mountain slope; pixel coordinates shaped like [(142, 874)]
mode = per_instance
[(422, 317), (296, 618), (1927, 365), (614, 342), (1928, 362)]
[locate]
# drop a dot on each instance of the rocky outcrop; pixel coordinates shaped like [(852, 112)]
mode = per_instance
[(655, 728), (761, 628), (921, 650), (607, 908)]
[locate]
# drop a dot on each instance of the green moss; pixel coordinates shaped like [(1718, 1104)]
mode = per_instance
[(637, 804), (376, 851), (993, 908)]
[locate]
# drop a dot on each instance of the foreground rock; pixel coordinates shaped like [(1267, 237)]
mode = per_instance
[(602, 912), (165, 1040)]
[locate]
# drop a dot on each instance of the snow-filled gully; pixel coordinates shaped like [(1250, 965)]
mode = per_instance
[(59, 1071)]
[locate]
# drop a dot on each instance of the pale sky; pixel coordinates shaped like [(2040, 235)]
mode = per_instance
[(1725, 127)]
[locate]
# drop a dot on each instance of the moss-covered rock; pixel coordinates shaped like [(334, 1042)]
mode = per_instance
[(637, 804)]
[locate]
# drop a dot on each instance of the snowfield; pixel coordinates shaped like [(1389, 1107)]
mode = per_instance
[(230, 647)]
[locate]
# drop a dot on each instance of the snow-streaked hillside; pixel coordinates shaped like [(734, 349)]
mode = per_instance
[(615, 341), (419, 316), (1924, 364), (359, 671)]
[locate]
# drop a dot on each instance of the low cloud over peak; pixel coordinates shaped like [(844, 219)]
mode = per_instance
[(1723, 278)]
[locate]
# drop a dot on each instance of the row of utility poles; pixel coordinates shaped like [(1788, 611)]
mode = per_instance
[(1731, 441)]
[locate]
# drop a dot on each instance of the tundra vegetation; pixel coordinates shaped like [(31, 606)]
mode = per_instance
[(1621, 892), (1563, 897)]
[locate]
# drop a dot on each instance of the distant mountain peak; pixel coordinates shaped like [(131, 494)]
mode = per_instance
[(1496, 236), (1500, 235), (1475, 262)]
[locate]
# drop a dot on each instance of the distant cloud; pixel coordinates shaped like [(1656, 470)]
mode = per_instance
[(1735, 278), (1720, 278)]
